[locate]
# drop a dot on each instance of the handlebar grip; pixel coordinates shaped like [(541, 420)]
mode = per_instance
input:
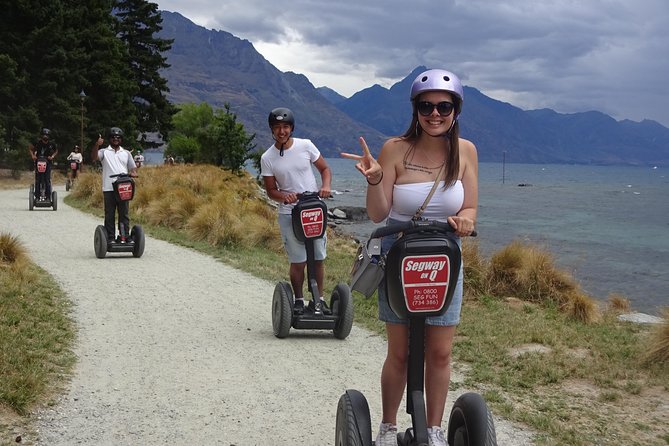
[(400, 227)]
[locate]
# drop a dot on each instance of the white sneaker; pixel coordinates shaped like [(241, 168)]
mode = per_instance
[(387, 435), (435, 436)]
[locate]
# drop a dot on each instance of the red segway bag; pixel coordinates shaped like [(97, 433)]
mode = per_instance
[(41, 165), (422, 270), (310, 217), (124, 188)]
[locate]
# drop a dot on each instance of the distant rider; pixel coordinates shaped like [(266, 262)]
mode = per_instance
[(139, 159), (47, 150), (115, 160), (75, 158)]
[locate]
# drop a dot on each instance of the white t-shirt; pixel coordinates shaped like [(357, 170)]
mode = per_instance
[(293, 171), (113, 163), (74, 156)]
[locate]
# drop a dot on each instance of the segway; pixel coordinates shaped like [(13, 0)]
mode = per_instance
[(124, 188), (422, 269), (309, 223), (73, 170), (42, 201)]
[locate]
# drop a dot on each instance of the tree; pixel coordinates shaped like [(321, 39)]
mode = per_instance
[(138, 21), (233, 143), (215, 137), (49, 51)]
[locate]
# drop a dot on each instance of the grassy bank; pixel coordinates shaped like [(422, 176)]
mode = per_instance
[(36, 336), (541, 351)]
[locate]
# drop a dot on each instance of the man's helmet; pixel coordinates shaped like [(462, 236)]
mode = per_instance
[(115, 131), (439, 80), (280, 115), (45, 132)]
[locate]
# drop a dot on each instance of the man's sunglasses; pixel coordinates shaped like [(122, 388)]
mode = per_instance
[(115, 137), (444, 108)]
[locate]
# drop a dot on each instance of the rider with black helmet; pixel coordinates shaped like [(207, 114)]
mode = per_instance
[(286, 171), (43, 148), (115, 160)]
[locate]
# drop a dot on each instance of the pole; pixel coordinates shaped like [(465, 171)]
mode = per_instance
[(82, 96), (503, 166)]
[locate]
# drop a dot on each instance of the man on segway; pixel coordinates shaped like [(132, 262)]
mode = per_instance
[(115, 160), (286, 171), (45, 150)]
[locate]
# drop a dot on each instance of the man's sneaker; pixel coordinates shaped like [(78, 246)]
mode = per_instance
[(435, 436), (324, 307), (387, 435), (298, 306)]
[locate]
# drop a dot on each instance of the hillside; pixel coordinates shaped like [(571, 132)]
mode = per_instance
[(217, 67)]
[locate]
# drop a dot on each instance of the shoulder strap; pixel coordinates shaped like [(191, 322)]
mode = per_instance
[(421, 209)]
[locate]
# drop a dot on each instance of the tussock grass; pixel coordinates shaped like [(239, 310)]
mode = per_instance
[(619, 303), (36, 334), (657, 351), (203, 202), (528, 272)]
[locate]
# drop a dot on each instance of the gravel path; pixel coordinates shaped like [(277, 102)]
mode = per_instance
[(176, 348)]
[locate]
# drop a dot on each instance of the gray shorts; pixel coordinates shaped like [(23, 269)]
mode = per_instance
[(449, 318), (297, 252)]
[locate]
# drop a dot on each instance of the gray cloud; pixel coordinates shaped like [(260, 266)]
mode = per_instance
[(604, 55)]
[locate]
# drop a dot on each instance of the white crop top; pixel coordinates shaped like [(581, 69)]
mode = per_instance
[(407, 198)]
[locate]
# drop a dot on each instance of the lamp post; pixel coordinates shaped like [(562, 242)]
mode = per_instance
[(82, 96)]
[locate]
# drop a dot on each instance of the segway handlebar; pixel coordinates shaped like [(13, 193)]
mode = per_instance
[(307, 194), (414, 224), (120, 175)]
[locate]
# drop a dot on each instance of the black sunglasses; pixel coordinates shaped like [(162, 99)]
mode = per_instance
[(115, 137), (444, 108)]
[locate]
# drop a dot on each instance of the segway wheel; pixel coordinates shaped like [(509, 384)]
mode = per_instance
[(54, 200), (100, 242), (342, 307), (282, 309), (353, 425), (67, 185), (471, 422), (31, 198), (137, 234)]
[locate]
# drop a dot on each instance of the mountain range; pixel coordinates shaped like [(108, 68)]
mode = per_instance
[(217, 67)]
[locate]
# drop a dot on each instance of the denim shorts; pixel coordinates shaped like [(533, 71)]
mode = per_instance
[(449, 318), (297, 252)]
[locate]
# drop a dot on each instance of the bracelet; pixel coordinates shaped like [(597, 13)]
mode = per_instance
[(375, 184)]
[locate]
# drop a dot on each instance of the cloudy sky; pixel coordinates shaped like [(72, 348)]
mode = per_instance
[(568, 55)]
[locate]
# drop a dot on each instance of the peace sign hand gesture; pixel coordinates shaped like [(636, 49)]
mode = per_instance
[(366, 163)]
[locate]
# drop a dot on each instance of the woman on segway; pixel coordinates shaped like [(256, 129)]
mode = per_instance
[(286, 171), (398, 184), (75, 159), (115, 160)]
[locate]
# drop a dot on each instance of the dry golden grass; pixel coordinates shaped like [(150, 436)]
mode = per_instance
[(528, 272), (14, 257), (11, 250), (657, 352), (207, 203), (619, 303), (476, 272)]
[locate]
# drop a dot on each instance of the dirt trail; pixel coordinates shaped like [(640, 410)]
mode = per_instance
[(176, 348)]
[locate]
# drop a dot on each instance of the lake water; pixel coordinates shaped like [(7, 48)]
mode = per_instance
[(606, 225)]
